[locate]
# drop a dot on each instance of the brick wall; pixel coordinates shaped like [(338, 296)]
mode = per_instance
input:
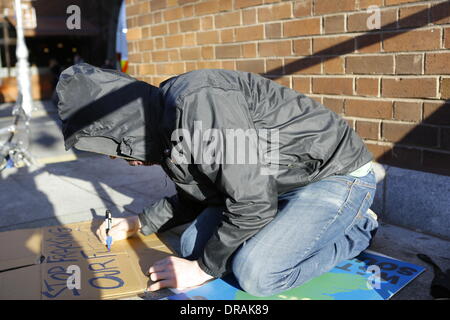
[(392, 84)]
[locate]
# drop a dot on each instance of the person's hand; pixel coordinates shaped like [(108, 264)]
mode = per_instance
[(174, 272), (121, 228)]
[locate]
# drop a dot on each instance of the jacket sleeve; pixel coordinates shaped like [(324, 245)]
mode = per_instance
[(169, 212), (250, 197)]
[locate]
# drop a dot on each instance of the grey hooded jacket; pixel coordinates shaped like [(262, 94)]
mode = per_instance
[(109, 112)]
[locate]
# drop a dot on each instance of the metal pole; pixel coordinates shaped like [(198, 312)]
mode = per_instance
[(22, 66)]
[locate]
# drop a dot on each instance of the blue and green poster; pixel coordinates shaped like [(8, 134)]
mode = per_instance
[(369, 276)]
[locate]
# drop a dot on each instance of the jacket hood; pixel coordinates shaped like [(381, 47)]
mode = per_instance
[(108, 112)]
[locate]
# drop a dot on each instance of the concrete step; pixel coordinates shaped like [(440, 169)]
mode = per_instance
[(413, 199)]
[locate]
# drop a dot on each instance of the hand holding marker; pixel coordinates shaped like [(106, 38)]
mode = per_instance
[(108, 219)]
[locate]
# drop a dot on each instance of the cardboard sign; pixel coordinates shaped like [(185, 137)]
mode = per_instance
[(26, 252), (70, 262)]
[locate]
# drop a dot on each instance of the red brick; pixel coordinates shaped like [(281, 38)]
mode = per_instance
[(191, 65), (190, 39), (437, 63), (132, 10), (159, 43), (158, 56), (207, 37), (334, 65), (190, 53), (273, 30), (206, 23), (206, 7), (335, 45), (174, 27), (284, 81), (445, 88), (302, 84), (410, 134), (228, 64), (275, 12), (159, 30), (158, 5), (208, 52), (334, 24), (255, 66), (359, 21), (225, 5), (367, 86), (227, 35), (367, 129), (331, 85), (440, 13), (209, 64), (408, 41), (145, 19), (227, 19), (249, 33), (447, 38), (335, 104), (145, 69), (188, 11), (301, 27), (302, 8), (157, 17), (246, 3), (403, 156), (132, 22), (190, 25), (228, 51), (174, 41), (274, 67), (368, 43), (145, 45), (364, 4), (303, 66), (407, 111), (323, 7), (134, 34), (414, 16), (183, 2), (275, 48), (170, 68), (380, 64), (436, 112), (408, 64), (173, 55), (173, 14), (249, 50), (249, 16), (302, 47), (144, 7), (379, 151), (375, 109), (146, 56), (409, 87)]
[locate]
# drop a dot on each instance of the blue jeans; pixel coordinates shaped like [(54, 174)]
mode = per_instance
[(316, 227)]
